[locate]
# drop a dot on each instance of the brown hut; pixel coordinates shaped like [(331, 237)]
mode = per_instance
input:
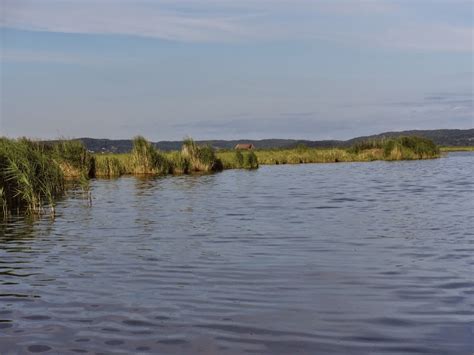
[(243, 146)]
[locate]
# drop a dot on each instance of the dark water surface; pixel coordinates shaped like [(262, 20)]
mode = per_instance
[(358, 258)]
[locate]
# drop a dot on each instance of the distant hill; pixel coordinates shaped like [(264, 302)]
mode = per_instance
[(443, 137)]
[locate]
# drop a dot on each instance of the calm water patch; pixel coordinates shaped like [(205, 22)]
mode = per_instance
[(359, 258)]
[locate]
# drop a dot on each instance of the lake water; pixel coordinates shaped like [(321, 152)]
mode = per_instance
[(349, 258)]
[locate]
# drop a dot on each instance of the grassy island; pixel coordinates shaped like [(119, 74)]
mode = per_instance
[(402, 148), (457, 149), (33, 174)]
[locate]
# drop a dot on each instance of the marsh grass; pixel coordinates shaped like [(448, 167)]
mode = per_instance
[(29, 176), (201, 158), (145, 159), (366, 145), (410, 148), (32, 174), (179, 163), (402, 148), (238, 159), (295, 156), (109, 166), (457, 149), (73, 158)]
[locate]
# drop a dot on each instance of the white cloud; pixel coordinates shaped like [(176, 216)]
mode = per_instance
[(353, 22)]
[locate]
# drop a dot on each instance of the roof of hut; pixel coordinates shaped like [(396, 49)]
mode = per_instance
[(244, 146)]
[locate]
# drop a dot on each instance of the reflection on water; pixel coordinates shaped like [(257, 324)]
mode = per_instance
[(339, 258)]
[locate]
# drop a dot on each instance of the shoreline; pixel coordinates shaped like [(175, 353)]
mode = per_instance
[(33, 174)]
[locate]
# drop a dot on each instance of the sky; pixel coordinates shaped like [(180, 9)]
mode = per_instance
[(227, 69)]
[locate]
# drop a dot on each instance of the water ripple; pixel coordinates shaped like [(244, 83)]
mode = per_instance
[(340, 258)]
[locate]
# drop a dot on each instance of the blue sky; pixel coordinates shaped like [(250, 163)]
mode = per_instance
[(313, 69)]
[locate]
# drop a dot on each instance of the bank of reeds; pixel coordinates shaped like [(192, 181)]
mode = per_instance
[(410, 148), (401, 148), (109, 166), (180, 164), (293, 156), (30, 177), (74, 159), (238, 159), (457, 149), (201, 158), (145, 159), (33, 174)]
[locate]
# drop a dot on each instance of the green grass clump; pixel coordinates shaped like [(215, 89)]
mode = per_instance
[(238, 159), (179, 163), (201, 158), (29, 176), (402, 148), (246, 160), (74, 159), (399, 148), (409, 148), (302, 156), (107, 166), (457, 149), (365, 145), (145, 159)]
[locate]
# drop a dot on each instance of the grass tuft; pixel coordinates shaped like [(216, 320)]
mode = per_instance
[(201, 158), (74, 159), (108, 166), (29, 176), (145, 159), (410, 148)]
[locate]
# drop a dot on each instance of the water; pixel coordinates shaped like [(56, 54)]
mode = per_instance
[(359, 258)]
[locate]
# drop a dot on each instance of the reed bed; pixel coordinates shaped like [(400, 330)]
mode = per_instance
[(237, 159), (74, 159), (109, 166), (145, 159), (32, 174), (180, 164), (402, 148), (456, 149), (30, 177), (201, 158)]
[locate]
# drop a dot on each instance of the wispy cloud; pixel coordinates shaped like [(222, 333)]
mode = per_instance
[(354, 22), (36, 56), (342, 121)]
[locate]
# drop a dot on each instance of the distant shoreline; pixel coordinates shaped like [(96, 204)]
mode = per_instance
[(33, 174), (442, 137), (457, 149)]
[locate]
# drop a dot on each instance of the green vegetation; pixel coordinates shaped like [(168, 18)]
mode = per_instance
[(442, 137), (107, 166), (112, 165), (145, 159), (410, 148), (30, 177), (400, 148), (295, 156), (33, 174), (200, 158), (457, 149), (238, 159), (179, 163), (74, 159)]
